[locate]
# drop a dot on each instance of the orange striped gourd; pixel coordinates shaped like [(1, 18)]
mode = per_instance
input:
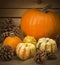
[(25, 50)]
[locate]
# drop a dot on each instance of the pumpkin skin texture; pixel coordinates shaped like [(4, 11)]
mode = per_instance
[(25, 50), (47, 44), (12, 41), (30, 39), (39, 24)]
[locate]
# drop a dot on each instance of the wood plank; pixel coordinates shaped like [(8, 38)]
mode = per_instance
[(11, 12), (27, 3), (17, 13)]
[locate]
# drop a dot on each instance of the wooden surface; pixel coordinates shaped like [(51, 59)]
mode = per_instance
[(15, 8), (17, 61)]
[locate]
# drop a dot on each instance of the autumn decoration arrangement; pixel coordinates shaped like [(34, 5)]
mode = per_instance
[(37, 28)]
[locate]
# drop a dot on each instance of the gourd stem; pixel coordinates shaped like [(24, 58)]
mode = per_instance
[(48, 6), (12, 34), (26, 45)]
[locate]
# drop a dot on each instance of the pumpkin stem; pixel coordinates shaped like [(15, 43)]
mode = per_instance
[(12, 34), (44, 9)]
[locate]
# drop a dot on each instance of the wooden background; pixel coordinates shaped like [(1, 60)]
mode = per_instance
[(15, 8)]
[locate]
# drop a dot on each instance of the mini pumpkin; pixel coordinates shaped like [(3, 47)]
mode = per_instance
[(47, 44), (12, 41), (25, 50), (30, 39)]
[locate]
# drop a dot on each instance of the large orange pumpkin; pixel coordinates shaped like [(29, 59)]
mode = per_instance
[(12, 41), (39, 24)]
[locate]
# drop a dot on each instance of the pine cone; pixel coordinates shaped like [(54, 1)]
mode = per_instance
[(51, 56), (40, 56), (10, 24), (57, 39), (5, 28), (6, 53), (4, 35), (17, 32), (6, 25)]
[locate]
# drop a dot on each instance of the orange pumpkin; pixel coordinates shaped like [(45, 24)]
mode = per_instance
[(12, 41), (39, 24)]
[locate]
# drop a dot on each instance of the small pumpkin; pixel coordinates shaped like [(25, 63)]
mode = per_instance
[(25, 50), (12, 41), (47, 44), (30, 39), (40, 23)]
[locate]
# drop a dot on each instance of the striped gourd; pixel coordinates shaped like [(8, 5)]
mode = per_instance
[(47, 44), (25, 50), (30, 39)]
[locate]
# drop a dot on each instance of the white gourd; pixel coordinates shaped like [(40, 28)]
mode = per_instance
[(25, 50), (47, 44)]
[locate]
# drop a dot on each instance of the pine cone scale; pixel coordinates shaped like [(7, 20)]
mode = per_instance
[(6, 53)]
